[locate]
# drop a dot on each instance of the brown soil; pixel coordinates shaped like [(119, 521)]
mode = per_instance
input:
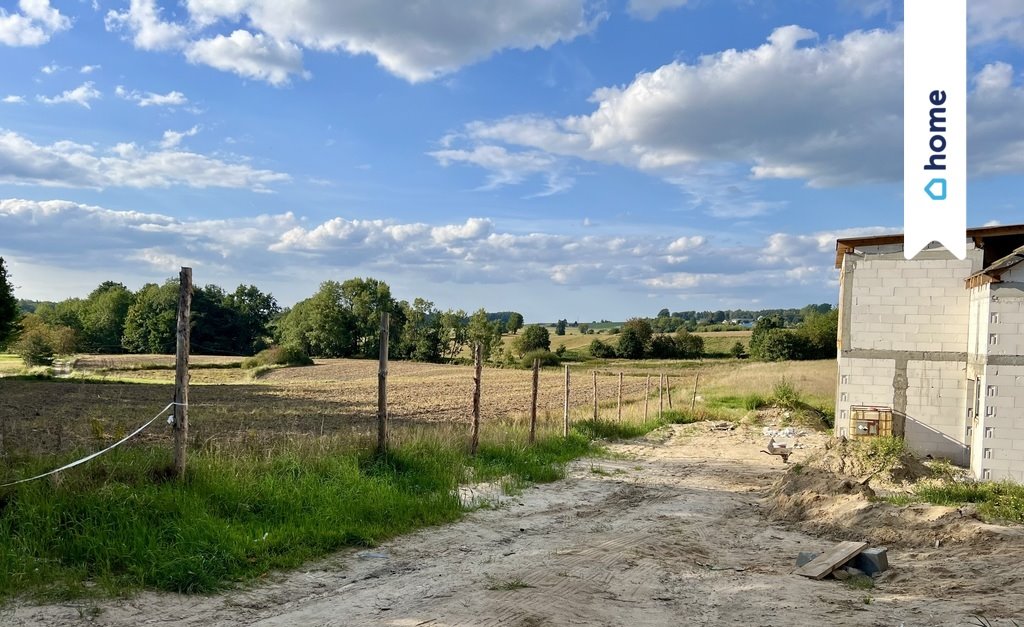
[(679, 528)]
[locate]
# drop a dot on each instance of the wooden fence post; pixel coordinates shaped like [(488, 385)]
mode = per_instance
[(661, 395), (620, 396), (647, 397), (478, 364), (565, 410), (533, 402), (693, 401), (382, 385), (668, 388), (595, 394), (181, 375)]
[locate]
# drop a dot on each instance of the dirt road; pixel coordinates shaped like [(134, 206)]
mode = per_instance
[(669, 531)]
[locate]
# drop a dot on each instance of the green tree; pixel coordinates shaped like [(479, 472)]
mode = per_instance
[(584, 328), (737, 350), (534, 337), (103, 315), (761, 329), (635, 338), (151, 322), (10, 315), (254, 310), (820, 331), (781, 345), (514, 322), (421, 336), (560, 327), (34, 347), (484, 332), (366, 300), (688, 345), (454, 333), (601, 350)]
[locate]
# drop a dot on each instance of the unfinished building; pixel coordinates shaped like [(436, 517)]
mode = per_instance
[(932, 349)]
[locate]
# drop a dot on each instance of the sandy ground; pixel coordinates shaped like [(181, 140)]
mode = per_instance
[(670, 530)]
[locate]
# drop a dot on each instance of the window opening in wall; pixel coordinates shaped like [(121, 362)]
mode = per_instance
[(989, 432), (988, 453), (990, 411), (844, 379), (994, 318), (991, 391), (986, 474), (844, 397), (993, 339)]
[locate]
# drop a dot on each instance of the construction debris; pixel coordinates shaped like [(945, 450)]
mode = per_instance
[(782, 450), (843, 561), (723, 426)]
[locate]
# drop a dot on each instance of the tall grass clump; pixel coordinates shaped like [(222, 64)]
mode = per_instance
[(785, 395), (121, 523), (278, 356), (994, 500)]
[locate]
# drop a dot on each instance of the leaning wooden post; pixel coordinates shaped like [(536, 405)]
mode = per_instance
[(661, 395), (533, 402), (382, 386), (693, 401), (620, 396), (478, 364), (181, 371), (668, 389), (647, 397), (565, 410), (595, 394)]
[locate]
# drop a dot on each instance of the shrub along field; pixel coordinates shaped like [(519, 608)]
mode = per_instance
[(282, 467)]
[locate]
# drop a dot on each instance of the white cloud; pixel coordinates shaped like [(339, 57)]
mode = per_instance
[(81, 95), (53, 68), (150, 99), (825, 112), (649, 9), (416, 41), (143, 20), (33, 25), (994, 20), (172, 139), (13, 99), (69, 164), (252, 56), (509, 168), (89, 69)]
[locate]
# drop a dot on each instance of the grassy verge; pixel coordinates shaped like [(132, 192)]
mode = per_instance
[(120, 524), (1002, 501)]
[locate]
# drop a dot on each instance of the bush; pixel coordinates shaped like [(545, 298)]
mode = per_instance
[(534, 337), (785, 395), (34, 347), (278, 356), (737, 350), (780, 345), (601, 350), (547, 358), (688, 345)]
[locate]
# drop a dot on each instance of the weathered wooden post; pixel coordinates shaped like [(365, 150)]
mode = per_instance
[(382, 386), (565, 409), (668, 389), (595, 394), (181, 371), (693, 401), (647, 397), (478, 364), (661, 395), (533, 401), (620, 396)]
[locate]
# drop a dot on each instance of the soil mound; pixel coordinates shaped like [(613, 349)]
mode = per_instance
[(830, 495)]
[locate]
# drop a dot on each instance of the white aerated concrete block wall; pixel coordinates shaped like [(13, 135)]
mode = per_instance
[(936, 402)]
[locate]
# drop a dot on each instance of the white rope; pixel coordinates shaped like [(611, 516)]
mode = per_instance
[(98, 453)]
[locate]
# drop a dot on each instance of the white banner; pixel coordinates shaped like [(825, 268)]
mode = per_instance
[(935, 125)]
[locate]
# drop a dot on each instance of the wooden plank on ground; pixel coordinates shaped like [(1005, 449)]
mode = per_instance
[(831, 559)]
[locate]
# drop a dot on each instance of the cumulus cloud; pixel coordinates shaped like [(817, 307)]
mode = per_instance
[(143, 21), (32, 25), (89, 69), (415, 41), (827, 112), (150, 99), (252, 56), (13, 99), (69, 164), (994, 20), (81, 95), (172, 139)]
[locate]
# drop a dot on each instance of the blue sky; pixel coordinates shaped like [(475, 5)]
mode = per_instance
[(562, 158)]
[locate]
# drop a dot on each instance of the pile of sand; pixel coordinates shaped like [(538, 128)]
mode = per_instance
[(830, 495)]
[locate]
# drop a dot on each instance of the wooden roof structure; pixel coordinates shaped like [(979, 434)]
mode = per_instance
[(1005, 239)]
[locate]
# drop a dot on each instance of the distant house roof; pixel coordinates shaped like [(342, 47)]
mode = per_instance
[(980, 235)]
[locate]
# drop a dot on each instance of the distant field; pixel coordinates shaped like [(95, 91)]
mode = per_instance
[(715, 342)]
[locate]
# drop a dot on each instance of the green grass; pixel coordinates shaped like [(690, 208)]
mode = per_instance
[(507, 584), (747, 402), (121, 524), (994, 500)]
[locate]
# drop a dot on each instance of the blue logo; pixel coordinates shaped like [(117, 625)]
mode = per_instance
[(930, 189)]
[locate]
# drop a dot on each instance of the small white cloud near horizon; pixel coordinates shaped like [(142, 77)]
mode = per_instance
[(12, 99)]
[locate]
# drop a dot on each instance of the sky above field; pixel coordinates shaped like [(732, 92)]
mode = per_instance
[(563, 158)]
